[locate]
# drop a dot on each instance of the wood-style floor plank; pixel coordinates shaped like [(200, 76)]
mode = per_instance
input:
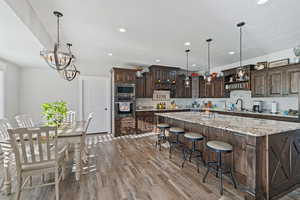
[(130, 168)]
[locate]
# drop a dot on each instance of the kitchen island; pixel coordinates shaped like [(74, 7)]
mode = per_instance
[(266, 155)]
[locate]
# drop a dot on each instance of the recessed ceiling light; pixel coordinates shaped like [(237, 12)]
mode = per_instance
[(262, 2), (194, 65), (187, 44), (157, 60), (231, 52), (122, 30), (109, 54)]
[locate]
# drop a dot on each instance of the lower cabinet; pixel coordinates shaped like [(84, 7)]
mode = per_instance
[(145, 120), (125, 126)]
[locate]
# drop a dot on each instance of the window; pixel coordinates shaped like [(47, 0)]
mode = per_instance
[(1, 94)]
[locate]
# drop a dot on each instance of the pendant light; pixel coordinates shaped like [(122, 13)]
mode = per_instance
[(56, 58), (71, 71), (207, 76), (240, 71), (187, 81)]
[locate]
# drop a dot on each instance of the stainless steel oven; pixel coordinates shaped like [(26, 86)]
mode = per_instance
[(125, 109), (124, 92)]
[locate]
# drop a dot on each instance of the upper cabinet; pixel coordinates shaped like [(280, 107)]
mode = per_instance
[(258, 83), (275, 82), (181, 90), (124, 75), (292, 81), (279, 81), (214, 89)]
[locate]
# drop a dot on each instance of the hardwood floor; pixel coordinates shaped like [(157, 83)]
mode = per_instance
[(131, 168)]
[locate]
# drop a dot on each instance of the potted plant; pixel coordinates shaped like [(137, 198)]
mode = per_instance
[(54, 113)]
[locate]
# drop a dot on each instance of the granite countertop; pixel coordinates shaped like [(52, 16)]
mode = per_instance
[(253, 113), (243, 125), (157, 110)]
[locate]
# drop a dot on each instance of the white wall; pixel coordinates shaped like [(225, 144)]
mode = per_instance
[(11, 89), (44, 85)]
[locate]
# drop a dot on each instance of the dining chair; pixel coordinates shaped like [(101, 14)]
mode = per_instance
[(70, 117), (84, 148), (24, 121), (6, 149), (43, 156)]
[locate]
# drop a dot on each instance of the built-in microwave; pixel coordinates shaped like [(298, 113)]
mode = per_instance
[(124, 92)]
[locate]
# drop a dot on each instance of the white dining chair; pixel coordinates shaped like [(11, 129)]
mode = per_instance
[(84, 149), (70, 117), (30, 163), (24, 121)]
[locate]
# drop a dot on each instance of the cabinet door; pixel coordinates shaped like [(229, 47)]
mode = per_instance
[(293, 78), (179, 87), (209, 89), (140, 87), (148, 85), (258, 84), (218, 88), (202, 88), (275, 84)]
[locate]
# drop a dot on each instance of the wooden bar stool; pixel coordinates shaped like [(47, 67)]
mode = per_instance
[(194, 138), (161, 137), (219, 147), (174, 131)]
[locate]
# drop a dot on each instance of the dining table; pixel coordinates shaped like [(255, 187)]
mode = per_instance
[(68, 134)]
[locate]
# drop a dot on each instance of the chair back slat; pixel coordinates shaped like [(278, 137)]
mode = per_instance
[(88, 121), (31, 145), (40, 147), (4, 126), (24, 121), (36, 144), (70, 117), (23, 148)]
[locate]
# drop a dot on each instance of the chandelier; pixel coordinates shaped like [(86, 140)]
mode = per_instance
[(187, 78), (56, 58), (207, 76), (70, 72)]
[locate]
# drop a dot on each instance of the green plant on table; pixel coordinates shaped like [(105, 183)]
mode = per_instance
[(55, 112)]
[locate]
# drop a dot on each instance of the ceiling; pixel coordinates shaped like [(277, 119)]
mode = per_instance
[(159, 29), (18, 45)]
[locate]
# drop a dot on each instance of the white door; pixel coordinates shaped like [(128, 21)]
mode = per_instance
[(94, 97)]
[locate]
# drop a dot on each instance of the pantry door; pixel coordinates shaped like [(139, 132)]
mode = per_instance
[(94, 97)]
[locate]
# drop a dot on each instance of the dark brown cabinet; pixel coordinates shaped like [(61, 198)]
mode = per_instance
[(162, 78), (279, 81), (181, 90), (140, 89), (275, 83), (125, 126), (124, 75), (258, 83), (215, 89), (292, 81)]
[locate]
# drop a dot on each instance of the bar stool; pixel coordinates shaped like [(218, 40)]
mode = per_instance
[(161, 137), (194, 138), (219, 147), (174, 131)]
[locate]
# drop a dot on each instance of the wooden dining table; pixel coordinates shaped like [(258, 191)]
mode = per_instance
[(68, 134)]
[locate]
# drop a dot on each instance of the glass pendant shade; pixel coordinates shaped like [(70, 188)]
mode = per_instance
[(187, 82)]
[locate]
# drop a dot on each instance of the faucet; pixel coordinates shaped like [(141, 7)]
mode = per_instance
[(241, 100)]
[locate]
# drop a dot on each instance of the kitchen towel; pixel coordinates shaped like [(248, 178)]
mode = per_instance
[(124, 106)]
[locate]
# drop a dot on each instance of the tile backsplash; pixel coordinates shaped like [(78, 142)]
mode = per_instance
[(284, 103)]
